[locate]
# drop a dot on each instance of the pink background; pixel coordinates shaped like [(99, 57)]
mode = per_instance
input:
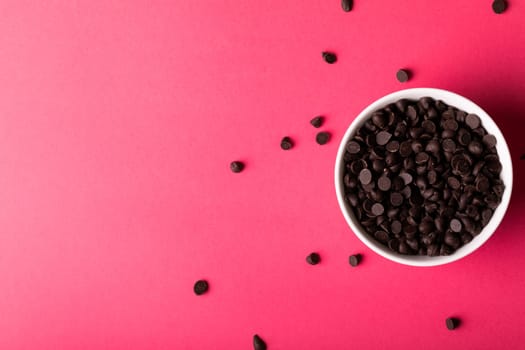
[(118, 120)]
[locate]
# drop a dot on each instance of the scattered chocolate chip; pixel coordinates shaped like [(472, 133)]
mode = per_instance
[(286, 143), (313, 259), (403, 75), (317, 122), (236, 166), (200, 287), (329, 57), (347, 5), (258, 343), (452, 323), (355, 259), (378, 209), (322, 137), (499, 6)]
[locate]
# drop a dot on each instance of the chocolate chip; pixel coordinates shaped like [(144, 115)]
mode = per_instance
[(452, 323), (475, 148), (499, 6), (378, 209), (322, 137), (407, 178), (317, 122), (489, 140), (200, 287), (403, 75), (450, 124), (258, 343), (393, 244), (236, 166), (384, 183), (464, 137), (396, 227), (449, 145), (381, 236), (347, 5), (329, 57), (286, 143), (433, 250), (422, 158), (455, 225), (396, 199), (383, 137), (433, 147), (392, 146), (453, 183), (365, 176), (405, 148), (353, 147), (472, 121), (355, 259), (313, 259)]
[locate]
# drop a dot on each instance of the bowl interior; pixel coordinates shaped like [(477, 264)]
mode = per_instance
[(461, 103)]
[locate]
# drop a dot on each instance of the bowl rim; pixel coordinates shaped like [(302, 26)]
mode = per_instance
[(506, 175)]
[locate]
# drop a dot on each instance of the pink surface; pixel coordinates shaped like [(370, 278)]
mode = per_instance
[(118, 120)]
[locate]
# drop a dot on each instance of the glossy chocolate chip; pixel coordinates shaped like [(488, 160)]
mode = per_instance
[(365, 176), (383, 137), (455, 225), (258, 343), (200, 287), (451, 323), (353, 147), (489, 141), (236, 166), (313, 258), (384, 183), (347, 5), (286, 143), (317, 122), (354, 260), (403, 75), (322, 137), (329, 57)]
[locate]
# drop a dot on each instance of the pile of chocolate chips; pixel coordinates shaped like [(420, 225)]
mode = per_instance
[(422, 177)]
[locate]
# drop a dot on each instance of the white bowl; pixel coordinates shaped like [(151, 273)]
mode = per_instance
[(461, 103)]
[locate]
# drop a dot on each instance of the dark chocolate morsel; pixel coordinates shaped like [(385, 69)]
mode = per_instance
[(451, 323), (313, 259), (258, 343), (200, 287), (347, 5), (403, 75), (355, 259), (329, 57), (236, 166), (317, 122), (322, 137), (286, 143)]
